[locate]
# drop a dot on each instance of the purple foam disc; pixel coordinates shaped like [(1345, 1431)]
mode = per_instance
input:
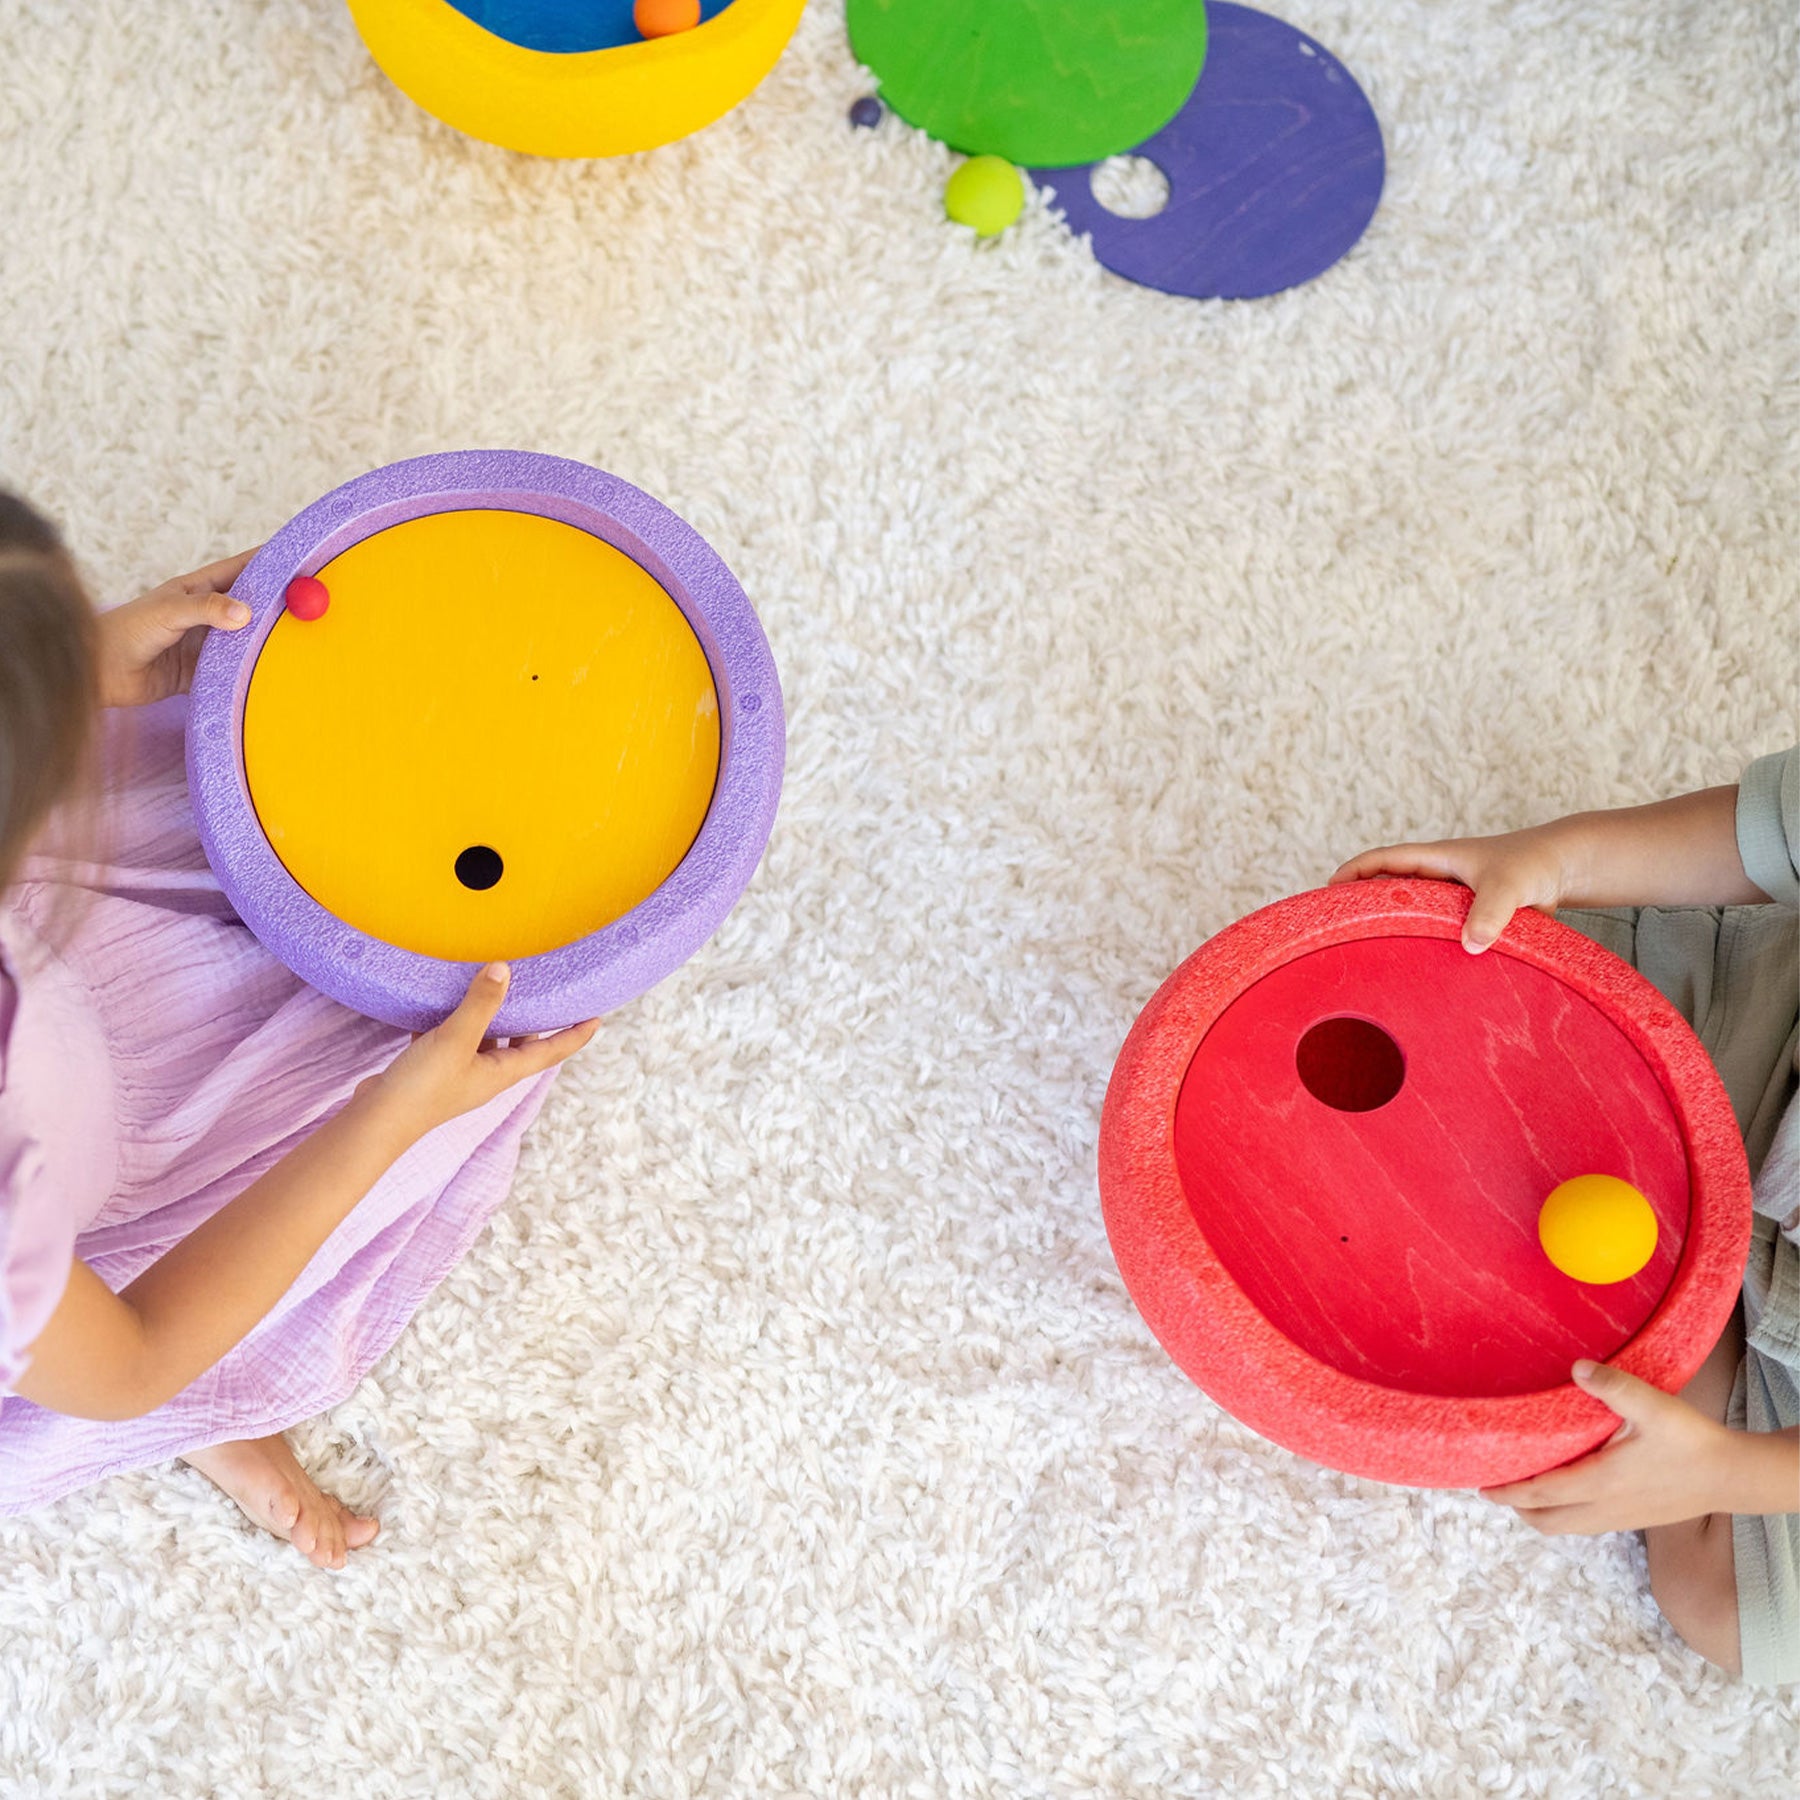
[(596, 973), (1274, 165)]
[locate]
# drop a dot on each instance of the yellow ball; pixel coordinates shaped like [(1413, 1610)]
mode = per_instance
[(985, 194), (1598, 1229)]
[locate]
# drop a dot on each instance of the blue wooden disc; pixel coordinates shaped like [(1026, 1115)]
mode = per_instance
[(1275, 166), (564, 25)]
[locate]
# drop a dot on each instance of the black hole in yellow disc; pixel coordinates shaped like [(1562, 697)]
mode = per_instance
[(479, 867)]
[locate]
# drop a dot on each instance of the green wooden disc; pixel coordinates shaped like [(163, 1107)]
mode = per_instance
[(1050, 83)]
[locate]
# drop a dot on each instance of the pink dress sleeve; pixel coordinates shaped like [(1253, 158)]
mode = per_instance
[(38, 1224), (37, 1250)]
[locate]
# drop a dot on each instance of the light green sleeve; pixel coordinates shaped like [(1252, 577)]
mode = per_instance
[(1768, 825)]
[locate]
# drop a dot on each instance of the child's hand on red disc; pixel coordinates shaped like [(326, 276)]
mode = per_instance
[(1667, 1462), (1519, 868)]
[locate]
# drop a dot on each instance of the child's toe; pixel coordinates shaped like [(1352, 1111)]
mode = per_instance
[(358, 1530)]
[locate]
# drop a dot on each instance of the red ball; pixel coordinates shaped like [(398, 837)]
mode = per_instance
[(307, 597), (663, 18)]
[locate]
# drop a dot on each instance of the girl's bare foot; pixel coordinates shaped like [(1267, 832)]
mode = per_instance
[(261, 1475)]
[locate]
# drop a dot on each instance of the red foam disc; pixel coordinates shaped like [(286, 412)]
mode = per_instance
[(1322, 1156)]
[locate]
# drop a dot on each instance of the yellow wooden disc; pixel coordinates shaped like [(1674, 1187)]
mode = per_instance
[(1597, 1229), (490, 692)]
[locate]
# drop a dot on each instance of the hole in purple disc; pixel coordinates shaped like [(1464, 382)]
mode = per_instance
[(1130, 187)]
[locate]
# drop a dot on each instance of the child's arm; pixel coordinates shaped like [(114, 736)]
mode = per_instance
[(1667, 1462), (1680, 852), (117, 1356)]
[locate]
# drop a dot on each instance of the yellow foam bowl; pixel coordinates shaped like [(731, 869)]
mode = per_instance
[(488, 695), (605, 102)]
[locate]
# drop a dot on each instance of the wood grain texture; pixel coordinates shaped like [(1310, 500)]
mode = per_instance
[(1400, 1244), (1047, 82)]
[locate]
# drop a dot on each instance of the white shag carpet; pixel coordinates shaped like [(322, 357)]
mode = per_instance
[(791, 1433)]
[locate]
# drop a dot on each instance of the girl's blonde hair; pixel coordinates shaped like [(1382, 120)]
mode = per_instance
[(49, 694)]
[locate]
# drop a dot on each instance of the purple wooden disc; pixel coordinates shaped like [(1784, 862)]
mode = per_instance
[(595, 973), (1274, 166)]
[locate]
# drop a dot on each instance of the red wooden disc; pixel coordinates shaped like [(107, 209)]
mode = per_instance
[(1322, 1157)]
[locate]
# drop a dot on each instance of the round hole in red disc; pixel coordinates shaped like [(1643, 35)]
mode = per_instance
[(1350, 1064)]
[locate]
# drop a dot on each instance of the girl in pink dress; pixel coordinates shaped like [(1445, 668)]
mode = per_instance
[(222, 1195)]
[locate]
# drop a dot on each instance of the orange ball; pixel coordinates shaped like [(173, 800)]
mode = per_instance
[(663, 18)]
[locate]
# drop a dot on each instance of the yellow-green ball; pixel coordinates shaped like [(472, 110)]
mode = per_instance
[(1597, 1229), (985, 194)]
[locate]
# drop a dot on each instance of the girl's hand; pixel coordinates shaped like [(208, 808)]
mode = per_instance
[(148, 646), (118, 1356), (1667, 1462), (1520, 868), (457, 1067)]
